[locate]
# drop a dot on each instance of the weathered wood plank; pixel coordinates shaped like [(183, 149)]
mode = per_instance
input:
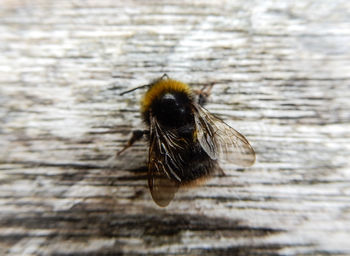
[(281, 73)]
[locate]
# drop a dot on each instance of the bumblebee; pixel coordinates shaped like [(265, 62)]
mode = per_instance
[(185, 140)]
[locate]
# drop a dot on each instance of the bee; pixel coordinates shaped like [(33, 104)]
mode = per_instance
[(185, 140)]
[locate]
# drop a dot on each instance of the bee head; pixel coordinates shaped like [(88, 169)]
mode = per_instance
[(172, 109)]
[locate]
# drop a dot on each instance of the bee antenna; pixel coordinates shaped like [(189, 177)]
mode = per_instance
[(139, 87), (164, 76)]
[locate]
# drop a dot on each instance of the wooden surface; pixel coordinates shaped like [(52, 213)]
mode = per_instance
[(282, 78)]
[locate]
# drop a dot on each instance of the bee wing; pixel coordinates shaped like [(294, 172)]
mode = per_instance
[(162, 188), (163, 164), (218, 139)]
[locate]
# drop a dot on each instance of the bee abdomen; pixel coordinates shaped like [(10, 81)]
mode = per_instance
[(197, 165)]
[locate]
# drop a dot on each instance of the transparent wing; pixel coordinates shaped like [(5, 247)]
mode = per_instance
[(219, 140), (162, 188), (164, 164)]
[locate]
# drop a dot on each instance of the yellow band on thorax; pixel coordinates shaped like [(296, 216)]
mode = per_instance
[(161, 87)]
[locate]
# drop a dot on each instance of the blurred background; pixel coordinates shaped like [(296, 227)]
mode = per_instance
[(280, 71)]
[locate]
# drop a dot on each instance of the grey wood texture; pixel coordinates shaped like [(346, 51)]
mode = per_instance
[(281, 71)]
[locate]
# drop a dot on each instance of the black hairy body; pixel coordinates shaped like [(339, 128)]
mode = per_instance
[(174, 112)]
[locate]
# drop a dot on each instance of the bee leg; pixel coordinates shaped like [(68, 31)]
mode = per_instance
[(203, 94), (136, 135)]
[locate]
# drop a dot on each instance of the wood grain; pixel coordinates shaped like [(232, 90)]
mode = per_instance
[(281, 73)]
